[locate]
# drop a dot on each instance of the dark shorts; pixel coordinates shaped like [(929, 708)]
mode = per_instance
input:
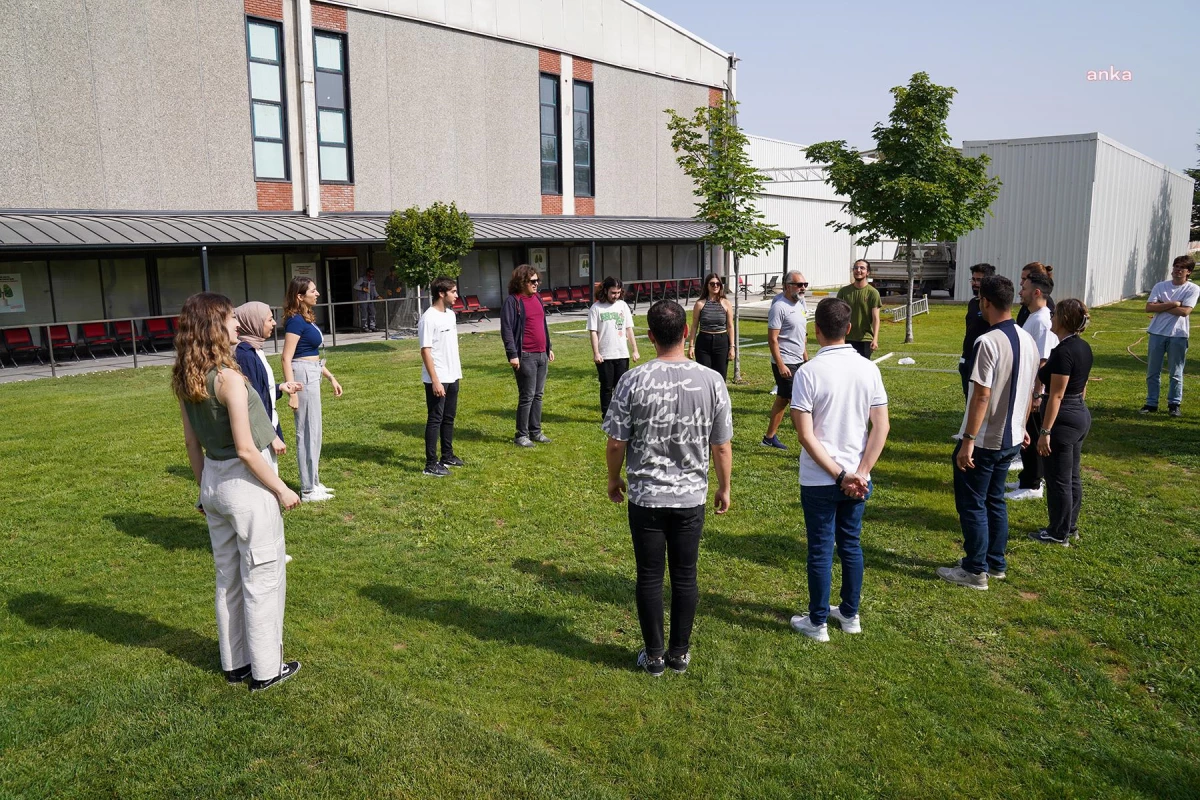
[(783, 386)]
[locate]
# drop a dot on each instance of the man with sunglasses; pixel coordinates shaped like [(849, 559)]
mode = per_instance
[(865, 303), (787, 338)]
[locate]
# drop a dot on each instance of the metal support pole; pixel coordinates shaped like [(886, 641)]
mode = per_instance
[(133, 340), (50, 347), (386, 311), (592, 272), (329, 306), (204, 268), (786, 239)]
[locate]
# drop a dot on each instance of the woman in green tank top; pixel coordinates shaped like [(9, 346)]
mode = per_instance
[(226, 430)]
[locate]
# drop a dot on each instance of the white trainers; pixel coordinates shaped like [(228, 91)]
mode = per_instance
[(957, 574), (325, 489), (1025, 494), (315, 496), (847, 624), (802, 624)]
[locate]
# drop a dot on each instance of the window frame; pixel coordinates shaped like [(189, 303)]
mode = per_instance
[(277, 27), (591, 140), (558, 137), (344, 111)]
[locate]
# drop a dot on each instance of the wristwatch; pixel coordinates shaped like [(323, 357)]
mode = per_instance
[(841, 476), (1044, 432), (970, 437)]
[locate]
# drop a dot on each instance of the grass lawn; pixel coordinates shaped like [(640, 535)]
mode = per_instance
[(475, 636)]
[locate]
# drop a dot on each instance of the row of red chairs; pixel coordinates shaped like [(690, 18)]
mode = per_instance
[(93, 337), (657, 290), (472, 310)]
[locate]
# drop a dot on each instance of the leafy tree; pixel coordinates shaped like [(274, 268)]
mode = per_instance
[(428, 243), (712, 150), (1194, 174), (918, 187)]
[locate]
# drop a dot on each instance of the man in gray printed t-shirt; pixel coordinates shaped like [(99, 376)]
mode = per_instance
[(665, 417)]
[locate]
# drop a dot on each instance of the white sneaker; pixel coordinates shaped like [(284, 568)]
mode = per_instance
[(315, 496), (1008, 487), (802, 624), (847, 624), (325, 489), (1024, 494), (957, 574)]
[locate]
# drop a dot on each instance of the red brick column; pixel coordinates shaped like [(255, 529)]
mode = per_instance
[(274, 195), (337, 197)]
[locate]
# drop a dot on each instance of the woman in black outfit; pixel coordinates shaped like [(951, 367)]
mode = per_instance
[(712, 342), (1065, 423)]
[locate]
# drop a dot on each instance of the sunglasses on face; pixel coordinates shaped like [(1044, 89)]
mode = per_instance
[(801, 285), (534, 281), (714, 283)]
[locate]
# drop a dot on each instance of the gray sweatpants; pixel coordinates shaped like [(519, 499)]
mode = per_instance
[(246, 529), (308, 422)]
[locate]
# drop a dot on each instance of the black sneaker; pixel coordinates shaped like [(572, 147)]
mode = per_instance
[(679, 664), (238, 675), (451, 461), (654, 666), (435, 470), (286, 670), (1043, 535), (1148, 409), (1174, 411)]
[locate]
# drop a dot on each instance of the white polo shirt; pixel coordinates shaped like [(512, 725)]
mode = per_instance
[(839, 388)]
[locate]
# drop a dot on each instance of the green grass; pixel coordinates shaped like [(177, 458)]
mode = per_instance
[(474, 636)]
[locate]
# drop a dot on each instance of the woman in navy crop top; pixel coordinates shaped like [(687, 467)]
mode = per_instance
[(302, 362)]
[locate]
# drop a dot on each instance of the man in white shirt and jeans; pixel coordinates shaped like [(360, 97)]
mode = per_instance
[(1171, 302), (441, 371), (1035, 296), (839, 408)]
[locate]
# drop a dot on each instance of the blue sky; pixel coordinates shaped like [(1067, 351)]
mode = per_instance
[(816, 71)]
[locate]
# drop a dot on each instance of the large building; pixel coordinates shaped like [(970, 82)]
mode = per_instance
[(144, 145)]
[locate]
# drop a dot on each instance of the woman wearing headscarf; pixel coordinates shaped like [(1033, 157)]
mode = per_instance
[(255, 324)]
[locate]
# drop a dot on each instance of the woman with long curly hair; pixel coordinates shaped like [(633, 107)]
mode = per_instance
[(228, 437), (526, 338)]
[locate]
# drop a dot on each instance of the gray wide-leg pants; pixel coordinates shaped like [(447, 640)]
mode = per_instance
[(308, 423)]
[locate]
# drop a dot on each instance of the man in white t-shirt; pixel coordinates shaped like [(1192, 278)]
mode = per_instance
[(1171, 302), (610, 325), (787, 339), (839, 408), (441, 371), (1035, 298)]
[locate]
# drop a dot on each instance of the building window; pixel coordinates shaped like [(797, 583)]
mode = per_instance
[(585, 170), (333, 107), (264, 47), (551, 173)]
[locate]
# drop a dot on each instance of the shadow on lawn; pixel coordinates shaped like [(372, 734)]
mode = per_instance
[(118, 627), (416, 430), (547, 416), (172, 533), (790, 552), (355, 451), (513, 627), (181, 471)]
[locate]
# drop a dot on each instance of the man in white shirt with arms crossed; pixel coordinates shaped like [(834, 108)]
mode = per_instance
[(1171, 302)]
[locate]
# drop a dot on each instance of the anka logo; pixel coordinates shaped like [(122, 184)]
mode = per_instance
[(1110, 74)]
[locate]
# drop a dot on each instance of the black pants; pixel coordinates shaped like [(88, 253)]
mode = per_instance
[(673, 535), (1064, 489), (964, 372), (439, 421), (1031, 462), (712, 351), (610, 371), (862, 348)]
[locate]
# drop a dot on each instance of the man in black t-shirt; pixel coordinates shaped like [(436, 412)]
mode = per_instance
[(976, 324)]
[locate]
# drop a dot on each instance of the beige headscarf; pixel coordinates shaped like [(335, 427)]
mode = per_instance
[(252, 322)]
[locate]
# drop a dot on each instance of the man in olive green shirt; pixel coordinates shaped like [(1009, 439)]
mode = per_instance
[(864, 309)]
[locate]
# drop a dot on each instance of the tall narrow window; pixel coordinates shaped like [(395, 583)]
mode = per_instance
[(584, 166), (265, 53), (333, 107), (551, 174)]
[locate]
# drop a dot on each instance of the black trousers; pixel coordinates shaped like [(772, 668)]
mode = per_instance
[(610, 371), (964, 372), (862, 348), (1031, 463), (439, 421), (671, 535), (1064, 489), (712, 351)]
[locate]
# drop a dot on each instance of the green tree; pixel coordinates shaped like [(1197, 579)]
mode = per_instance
[(917, 187), (428, 243), (1194, 174), (712, 150)]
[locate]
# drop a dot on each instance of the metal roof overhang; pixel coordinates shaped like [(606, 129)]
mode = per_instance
[(23, 231)]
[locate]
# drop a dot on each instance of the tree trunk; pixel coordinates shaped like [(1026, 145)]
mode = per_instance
[(737, 353), (908, 334)]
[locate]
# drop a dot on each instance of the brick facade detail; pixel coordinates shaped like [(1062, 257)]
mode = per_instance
[(585, 206), (582, 69), (336, 197), (274, 196), (552, 204), (549, 62), (715, 96), (329, 18), (271, 9)]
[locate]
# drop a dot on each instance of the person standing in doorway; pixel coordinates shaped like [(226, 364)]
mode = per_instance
[(526, 336), (865, 303), (610, 326), (787, 338), (441, 372), (1035, 294), (666, 462), (364, 292), (1171, 302), (711, 342), (975, 324)]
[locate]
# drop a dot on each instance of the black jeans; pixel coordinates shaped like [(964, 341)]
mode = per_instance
[(1064, 489), (673, 535), (439, 421), (1031, 462), (712, 351), (862, 348), (531, 383), (610, 371)]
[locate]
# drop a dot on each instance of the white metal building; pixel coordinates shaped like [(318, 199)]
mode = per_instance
[(1107, 218)]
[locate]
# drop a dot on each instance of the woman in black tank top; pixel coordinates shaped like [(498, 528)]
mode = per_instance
[(711, 343)]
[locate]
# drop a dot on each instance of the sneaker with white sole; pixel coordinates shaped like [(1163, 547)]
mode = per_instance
[(1025, 494), (773, 441), (1008, 487), (802, 624), (998, 575), (654, 666), (315, 496), (1043, 536), (679, 664), (847, 624), (957, 574), (286, 670), (325, 489)]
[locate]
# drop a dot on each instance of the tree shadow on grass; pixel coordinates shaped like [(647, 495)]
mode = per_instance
[(172, 533), (791, 552), (181, 471), (355, 451), (416, 430), (547, 416), (617, 590), (510, 627), (124, 628)]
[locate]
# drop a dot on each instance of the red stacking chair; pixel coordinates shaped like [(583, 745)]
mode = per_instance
[(475, 308), (124, 334), (579, 296), (459, 308), (95, 337), (159, 329), (18, 341), (549, 302), (563, 297), (60, 339)]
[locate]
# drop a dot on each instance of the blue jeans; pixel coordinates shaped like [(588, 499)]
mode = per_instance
[(982, 512), (1175, 348), (831, 517)]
